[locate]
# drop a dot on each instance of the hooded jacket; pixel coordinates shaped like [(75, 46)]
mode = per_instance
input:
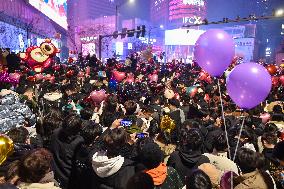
[(111, 173), (63, 154), (49, 185), (184, 162), (13, 113)]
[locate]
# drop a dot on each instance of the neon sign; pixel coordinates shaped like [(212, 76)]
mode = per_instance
[(192, 20), (194, 2)]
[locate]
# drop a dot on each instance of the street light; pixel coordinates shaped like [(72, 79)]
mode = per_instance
[(117, 6), (279, 13)]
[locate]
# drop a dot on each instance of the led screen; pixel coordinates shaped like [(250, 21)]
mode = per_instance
[(56, 10), (182, 36)]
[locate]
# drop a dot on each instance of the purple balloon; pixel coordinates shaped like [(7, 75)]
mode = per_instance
[(249, 84), (214, 51)]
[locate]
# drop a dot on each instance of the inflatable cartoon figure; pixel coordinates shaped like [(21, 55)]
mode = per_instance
[(39, 58)]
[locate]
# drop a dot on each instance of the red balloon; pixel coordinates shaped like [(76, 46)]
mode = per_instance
[(281, 79), (88, 70), (81, 74), (275, 81), (272, 69), (56, 67), (129, 80), (31, 78), (98, 96), (69, 73), (118, 76)]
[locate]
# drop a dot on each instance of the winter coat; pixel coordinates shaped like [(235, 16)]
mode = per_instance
[(63, 154), (49, 185), (184, 162), (111, 173), (222, 163), (172, 181), (13, 113), (251, 180)]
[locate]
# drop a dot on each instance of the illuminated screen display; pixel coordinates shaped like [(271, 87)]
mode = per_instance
[(88, 48), (187, 11), (182, 36), (56, 10)]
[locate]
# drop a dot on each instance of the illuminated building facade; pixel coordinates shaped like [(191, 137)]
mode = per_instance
[(175, 13)]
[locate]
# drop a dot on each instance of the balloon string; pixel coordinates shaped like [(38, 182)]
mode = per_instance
[(241, 130), (224, 120)]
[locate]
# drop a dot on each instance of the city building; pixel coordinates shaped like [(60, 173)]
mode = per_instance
[(28, 23)]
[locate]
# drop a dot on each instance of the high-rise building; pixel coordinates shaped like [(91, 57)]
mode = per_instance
[(81, 10), (159, 13), (175, 13)]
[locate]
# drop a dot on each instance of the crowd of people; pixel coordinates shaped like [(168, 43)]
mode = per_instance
[(172, 132)]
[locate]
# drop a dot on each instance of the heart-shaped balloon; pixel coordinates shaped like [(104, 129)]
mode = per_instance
[(118, 76), (154, 78), (15, 76), (281, 79), (272, 69), (98, 96), (81, 74), (265, 117), (129, 80), (275, 81), (39, 77)]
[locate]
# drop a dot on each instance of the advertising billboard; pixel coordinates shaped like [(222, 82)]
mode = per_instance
[(56, 10), (186, 12), (182, 36)]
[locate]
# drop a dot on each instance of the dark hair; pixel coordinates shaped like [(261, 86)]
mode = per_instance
[(279, 151), (90, 131), (35, 165), (130, 107), (71, 127), (107, 119), (249, 161), (220, 142), (198, 180), (270, 138), (7, 186), (114, 140), (151, 155), (174, 102), (271, 127), (86, 113), (50, 123), (13, 171), (191, 140), (164, 137), (18, 135), (110, 103), (277, 109), (140, 180), (153, 128)]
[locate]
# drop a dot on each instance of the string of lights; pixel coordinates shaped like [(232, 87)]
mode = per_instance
[(279, 14)]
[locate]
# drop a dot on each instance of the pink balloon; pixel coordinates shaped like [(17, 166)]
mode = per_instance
[(130, 80), (118, 76), (81, 74), (15, 76), (281, 79), (265, 117), (39, 77), (98, 96), (153, 77)]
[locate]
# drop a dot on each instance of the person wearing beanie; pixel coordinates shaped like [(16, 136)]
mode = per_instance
[(164, 177)]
